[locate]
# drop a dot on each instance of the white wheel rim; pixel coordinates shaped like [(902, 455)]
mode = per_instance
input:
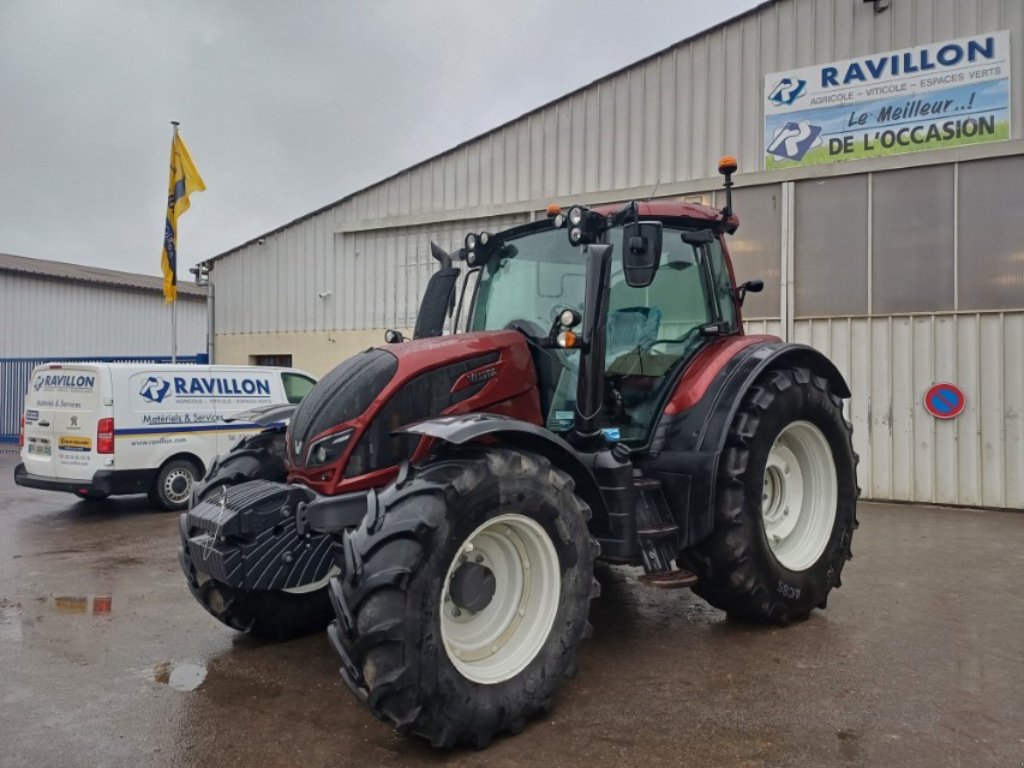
[(799, 496), (498, 642), (176, 497)]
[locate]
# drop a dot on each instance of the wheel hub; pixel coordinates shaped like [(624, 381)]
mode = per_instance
[(799, 494), (499, 598), (472, 587), (178, 485)]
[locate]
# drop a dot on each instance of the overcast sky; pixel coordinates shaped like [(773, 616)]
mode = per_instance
[(286, 106)]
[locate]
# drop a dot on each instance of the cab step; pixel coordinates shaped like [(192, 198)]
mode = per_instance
[(680, 578)]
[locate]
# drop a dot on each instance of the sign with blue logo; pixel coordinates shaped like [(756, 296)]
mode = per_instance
[(63, 381), (939, 95), (202, 388), (944, 401), (155, 389)]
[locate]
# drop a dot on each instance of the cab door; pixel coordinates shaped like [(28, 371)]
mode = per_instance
[(654, 331)]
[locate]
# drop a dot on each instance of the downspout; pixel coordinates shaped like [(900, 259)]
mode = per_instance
[(209, 314)]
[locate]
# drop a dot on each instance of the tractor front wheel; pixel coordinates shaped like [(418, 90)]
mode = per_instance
[(785, 506), (460, 607)]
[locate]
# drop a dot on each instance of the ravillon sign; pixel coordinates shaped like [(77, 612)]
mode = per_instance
[(938, 95)]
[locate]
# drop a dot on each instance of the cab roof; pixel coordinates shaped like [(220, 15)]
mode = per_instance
[(675, 209)]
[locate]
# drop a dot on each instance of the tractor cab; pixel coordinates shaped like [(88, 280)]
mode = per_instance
[(533, 278)]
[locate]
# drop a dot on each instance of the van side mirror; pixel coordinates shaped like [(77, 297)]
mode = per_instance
[(641, 252)]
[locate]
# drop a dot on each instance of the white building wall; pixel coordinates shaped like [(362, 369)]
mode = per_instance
[(45, 317), (976, 459), (370, 279)]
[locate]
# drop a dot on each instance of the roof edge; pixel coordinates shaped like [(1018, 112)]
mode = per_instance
[(79, 273), (714, 28)]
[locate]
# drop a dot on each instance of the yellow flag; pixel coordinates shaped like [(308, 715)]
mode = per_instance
[(185, 180)]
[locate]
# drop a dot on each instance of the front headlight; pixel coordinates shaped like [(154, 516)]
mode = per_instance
[(327, 450)]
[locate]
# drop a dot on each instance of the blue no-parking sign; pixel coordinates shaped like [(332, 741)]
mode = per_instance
[(944, 401)]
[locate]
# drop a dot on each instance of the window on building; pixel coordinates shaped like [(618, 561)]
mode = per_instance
[(831, 247), (991, 234), (912, 240), (280, 361)]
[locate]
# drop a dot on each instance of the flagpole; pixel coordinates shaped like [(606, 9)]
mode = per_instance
[(174, 304)]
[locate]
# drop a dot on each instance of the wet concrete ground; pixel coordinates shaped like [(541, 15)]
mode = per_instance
[(918, 661)]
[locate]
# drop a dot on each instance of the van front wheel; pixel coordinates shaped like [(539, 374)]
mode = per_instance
[(173, 485)]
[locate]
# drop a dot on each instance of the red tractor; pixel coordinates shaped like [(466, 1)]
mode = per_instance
[(444, 499)]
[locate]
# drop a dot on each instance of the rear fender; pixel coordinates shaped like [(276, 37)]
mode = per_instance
[(471, 427), (687, 446)]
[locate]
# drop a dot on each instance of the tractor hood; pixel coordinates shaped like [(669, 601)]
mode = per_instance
[(341, 437)]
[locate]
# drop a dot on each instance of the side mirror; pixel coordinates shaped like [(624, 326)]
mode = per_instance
[(751, 286), (437, 298), (393, 337), (641, 252)]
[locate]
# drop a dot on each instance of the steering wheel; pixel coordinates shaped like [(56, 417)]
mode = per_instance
[(646, 347)]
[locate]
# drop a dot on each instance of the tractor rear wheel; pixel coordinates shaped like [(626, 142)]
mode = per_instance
[(785, 502), (461, 605), (278, 614)]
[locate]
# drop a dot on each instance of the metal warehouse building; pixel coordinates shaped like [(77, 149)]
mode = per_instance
[(50, 310), (881, 155)]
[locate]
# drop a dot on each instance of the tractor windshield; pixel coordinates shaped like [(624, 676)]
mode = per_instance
[(529, 279)]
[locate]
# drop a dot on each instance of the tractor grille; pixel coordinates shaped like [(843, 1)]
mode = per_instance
[(340, 396)]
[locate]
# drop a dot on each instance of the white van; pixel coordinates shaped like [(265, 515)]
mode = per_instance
[(96, 429)]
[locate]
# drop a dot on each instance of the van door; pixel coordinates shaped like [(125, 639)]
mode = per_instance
[(239, 389), (161, 418), (62, 410)]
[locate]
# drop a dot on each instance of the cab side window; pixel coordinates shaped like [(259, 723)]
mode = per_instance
[(673, 305), (296, 386)]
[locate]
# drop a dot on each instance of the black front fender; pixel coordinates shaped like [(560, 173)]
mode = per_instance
[(468, 428)]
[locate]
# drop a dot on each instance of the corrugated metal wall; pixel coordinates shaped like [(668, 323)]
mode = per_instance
[(669, 118), (660, 123), (976, 459), (375, 278), (46, 317)]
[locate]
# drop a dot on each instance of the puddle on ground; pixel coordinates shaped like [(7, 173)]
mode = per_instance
[(185, 675), (97, 605)]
